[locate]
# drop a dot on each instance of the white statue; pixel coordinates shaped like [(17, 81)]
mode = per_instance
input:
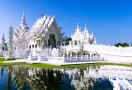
[(54, 52)]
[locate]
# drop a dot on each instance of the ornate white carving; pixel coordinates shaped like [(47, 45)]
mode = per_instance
[(20, 41), (83, 36)]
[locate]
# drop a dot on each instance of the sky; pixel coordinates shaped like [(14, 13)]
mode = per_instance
[(109, 20)]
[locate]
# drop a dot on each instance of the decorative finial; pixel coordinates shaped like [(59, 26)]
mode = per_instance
[(85, 28), (85, 25), (3, 33), (54, 16), (41, 14), (3, 38), (78, 28), (11, 24), (77, 23), (23, 21), (23, 12), (92, 33), (11, 28)]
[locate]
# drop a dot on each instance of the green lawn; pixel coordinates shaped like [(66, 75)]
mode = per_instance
[(66, 66), (2, 59)]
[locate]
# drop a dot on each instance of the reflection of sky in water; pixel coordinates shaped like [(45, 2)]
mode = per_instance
[(84, 78)]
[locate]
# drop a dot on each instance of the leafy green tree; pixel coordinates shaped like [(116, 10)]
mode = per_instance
[(130, 44), (67, 41), (125, 45), (122, 44), (118, 44)]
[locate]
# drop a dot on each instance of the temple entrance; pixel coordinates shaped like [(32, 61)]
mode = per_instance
[(3, 48), (52, 41)]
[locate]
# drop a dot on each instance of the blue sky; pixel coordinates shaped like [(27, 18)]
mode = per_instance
[(110, 20)]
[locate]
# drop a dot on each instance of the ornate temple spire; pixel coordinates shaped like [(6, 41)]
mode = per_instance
[(3, 39), (92, 33), (23, 21), (10, 37), (78, 28), (41, 14), (85, 29)]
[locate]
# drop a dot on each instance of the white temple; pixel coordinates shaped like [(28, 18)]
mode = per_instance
[(45, 42)]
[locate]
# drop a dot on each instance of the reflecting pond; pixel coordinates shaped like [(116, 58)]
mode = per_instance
[(100, 77)]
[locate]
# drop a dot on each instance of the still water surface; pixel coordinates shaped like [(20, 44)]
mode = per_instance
[(19, 77)]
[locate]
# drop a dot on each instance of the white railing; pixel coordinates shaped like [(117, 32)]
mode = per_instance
[(84, 59), (56, 58), (34, 58), (43, 58), (67, 59)]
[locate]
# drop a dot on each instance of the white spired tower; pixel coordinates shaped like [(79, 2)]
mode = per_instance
[(10, 51), (3, 45)]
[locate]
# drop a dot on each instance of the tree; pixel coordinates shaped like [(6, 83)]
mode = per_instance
[(122, 44), (118, 44), (125, 45), (67, 41)]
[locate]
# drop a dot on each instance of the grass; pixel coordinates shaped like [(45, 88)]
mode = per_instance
[(66, 66), (2, 59)]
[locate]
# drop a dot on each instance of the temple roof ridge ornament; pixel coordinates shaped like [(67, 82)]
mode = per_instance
[(23, 21), (85, 28), (41, 14), (92, 33), (11, 28), (78, 29), (54, 16)]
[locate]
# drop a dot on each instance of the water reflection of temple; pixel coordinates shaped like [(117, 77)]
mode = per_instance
[(83, 78)]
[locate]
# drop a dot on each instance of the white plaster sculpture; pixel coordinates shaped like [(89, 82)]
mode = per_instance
[(84, 36), (20, 41), (10, 49)]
